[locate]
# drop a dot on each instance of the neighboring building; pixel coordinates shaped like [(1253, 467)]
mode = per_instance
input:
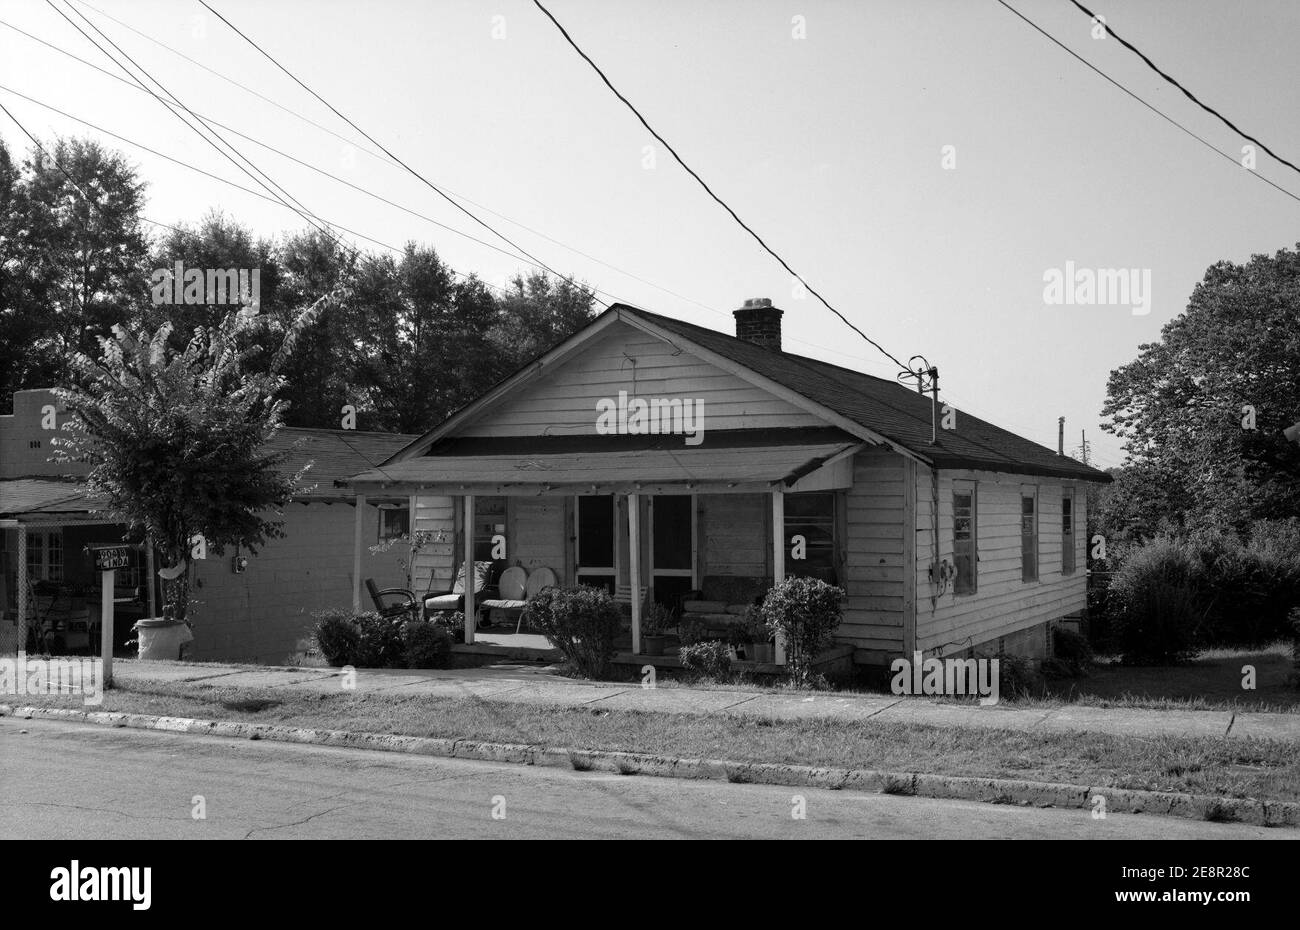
[(974, 540), (259, 614)]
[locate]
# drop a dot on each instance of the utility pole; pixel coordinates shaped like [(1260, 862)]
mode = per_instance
[(1083, 447), (1060, 436)]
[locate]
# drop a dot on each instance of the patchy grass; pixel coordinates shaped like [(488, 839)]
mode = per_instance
[(1211, 681), (1239, 768)]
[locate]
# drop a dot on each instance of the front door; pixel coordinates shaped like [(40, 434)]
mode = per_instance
[(596, 537), (672, 547)]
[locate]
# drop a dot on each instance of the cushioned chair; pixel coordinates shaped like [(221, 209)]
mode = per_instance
[(485, 580), (510, 593)]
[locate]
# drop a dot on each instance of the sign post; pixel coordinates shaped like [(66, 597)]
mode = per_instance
[(108, 559)]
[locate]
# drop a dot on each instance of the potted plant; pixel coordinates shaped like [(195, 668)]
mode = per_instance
[(760, 637), (740, 640), (656, 621)]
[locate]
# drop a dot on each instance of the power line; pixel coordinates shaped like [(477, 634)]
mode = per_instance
[(385, 150), (84, 196), (722, 203), (1168, 119), (302, 211), (1174, 81), (218, 178), (232, 81)]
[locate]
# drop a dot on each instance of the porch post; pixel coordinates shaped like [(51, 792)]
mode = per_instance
[(22, 590), (151, 580), (634, 566), (778, 556), (356, 551), (469, 569)]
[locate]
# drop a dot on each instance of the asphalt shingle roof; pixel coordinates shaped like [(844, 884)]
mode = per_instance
[(886, 407)]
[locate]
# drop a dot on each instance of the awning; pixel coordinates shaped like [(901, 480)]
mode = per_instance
[(715, 468)]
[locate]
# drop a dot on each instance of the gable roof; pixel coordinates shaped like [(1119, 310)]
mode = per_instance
[(898, 413), (877, 408)]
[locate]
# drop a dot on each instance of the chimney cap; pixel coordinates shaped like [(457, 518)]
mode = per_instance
[(754, 303)]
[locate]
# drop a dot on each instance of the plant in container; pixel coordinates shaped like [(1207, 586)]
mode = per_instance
[(656, 622), (760, 637)]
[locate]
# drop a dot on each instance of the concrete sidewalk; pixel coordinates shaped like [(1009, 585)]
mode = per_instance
[(525, 684)]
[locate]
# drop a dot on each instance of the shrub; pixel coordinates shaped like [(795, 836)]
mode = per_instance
[(1158, 605), (337, 636), (581, 622), (691, 631), (709, 658), (1017, 676), (657, 620), (426, 644), (805, 611), (1071, 653), (380, 643), (453, 621)]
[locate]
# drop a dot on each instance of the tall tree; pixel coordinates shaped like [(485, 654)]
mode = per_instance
[(177, 439), (538, 311), (1202, 411)]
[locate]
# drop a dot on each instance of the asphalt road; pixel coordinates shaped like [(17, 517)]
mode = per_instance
[(76, 781)]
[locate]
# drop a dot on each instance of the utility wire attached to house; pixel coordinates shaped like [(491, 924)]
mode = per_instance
[(1101, 21), (708, 190)]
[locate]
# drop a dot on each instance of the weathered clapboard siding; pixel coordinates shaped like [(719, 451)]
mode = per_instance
[(563, 402), (737, 540), (436, 564), (875, 572), (535, 536), (1002, 604)]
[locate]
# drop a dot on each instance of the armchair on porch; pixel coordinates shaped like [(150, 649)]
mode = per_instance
[(391, 603), (486, 578)]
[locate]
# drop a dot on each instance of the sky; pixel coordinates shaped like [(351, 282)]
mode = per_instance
[(825, 124)]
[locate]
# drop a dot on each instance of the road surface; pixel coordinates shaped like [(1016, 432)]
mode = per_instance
[(78, 781)]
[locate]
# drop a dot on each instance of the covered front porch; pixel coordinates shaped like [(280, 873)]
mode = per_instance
[(651, 520)]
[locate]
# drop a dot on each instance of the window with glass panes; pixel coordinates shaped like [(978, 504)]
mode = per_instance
[(45, 555), (489, 521), (811, 514), (965, 556), (1067, 532), (1029, 534)]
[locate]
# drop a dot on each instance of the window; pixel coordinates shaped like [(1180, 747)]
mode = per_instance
[(596, 553), (489, 521), (1067, 532), (1028, 534), (965, 555), (394, 521), (45, 555), (812, 516)]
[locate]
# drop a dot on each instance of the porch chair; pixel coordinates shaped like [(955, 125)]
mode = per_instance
[(510, 593), (486, 575), (409, 603)]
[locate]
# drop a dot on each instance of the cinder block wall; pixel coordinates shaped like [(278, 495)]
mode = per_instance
[(262, 614)]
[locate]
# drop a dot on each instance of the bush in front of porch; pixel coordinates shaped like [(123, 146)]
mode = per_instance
[(805, 612), (367, 640), (582, 623)]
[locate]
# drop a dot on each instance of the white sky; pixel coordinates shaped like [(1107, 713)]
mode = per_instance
[(829, 146)]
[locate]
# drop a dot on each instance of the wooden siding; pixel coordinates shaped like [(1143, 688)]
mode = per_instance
[(737, 538), (1003, 604), (563, 402), (536, 533), (436, 565), (876, 577)]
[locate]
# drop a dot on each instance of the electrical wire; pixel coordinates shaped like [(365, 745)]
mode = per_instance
[(708, 190), (1174, 81), (433, 187), (1168, 119)]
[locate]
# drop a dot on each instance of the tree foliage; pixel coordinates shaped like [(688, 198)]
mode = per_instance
[(1187, 404), (177, 439)]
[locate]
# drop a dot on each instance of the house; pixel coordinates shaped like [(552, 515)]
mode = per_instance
[(650, 455), (257, 610)]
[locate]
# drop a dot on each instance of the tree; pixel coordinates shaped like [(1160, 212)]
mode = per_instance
[(177, 439), (1202, 411), (537, 312)]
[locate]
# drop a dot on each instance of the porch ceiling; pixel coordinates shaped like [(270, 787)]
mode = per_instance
[(704, 468)]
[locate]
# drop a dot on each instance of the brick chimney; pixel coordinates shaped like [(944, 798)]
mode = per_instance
[(759, 322)]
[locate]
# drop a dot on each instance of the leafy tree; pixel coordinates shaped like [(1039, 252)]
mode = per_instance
[(1185, 405), (537, 312), (177, 439)]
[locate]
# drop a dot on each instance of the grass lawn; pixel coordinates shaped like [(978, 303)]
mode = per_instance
[(1261, 769), (1212, 681)]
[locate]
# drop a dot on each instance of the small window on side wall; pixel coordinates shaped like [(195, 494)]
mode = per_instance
[(965, 535), (1028, 534), (1067, 532), (394, 521)]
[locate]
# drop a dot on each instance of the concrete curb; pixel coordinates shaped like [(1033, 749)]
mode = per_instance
[(919, 784)]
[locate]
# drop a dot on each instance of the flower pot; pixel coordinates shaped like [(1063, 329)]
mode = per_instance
[(761, 652), (653, 645)]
